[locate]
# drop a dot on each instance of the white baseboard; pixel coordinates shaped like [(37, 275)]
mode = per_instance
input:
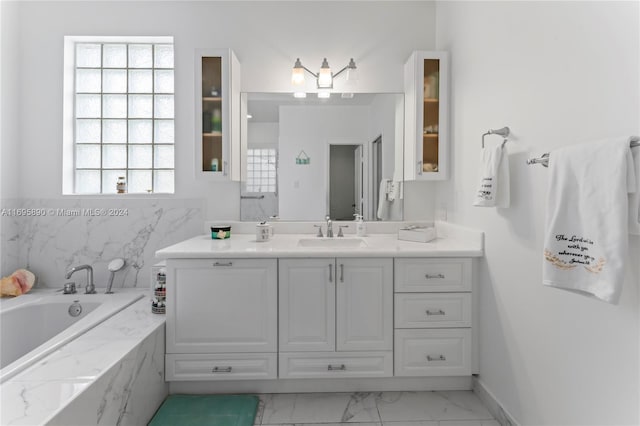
[(324, 385), (501, 415)]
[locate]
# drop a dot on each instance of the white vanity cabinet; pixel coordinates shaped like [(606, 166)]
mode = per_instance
[(433, 317), (217, 107), (426, 75), (221, 319), (335, 317)]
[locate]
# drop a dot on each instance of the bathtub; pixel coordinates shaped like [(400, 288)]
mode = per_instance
[(35, 324)]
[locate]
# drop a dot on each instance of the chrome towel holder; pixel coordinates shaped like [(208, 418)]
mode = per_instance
[(634, 141), (504, 132)]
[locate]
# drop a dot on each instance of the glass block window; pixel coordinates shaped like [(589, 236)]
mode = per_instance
[(123, 116), (261, 170)]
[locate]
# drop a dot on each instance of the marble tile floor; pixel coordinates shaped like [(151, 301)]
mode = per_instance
[(449, 408)]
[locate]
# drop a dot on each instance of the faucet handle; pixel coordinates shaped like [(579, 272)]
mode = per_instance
[(319, 234), (340, 234)]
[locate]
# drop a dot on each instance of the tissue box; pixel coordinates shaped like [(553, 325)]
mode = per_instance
[(420, 235)]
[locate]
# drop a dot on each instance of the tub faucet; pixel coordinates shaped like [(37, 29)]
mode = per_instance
[(329, 227), (90, 288)]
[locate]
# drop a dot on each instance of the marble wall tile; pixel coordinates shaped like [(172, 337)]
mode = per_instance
[(128, 394), (71, 232)]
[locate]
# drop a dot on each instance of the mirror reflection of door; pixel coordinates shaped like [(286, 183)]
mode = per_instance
[(345, 181)]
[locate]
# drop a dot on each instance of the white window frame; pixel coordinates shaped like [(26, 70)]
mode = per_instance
[(69, 118)]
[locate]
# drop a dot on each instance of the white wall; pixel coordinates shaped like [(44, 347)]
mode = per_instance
[(557, 73), (9, 125)]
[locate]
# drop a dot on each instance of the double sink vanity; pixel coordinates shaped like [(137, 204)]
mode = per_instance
[(304, 307)]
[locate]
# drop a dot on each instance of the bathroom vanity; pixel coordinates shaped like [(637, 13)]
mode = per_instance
[(300, 307)]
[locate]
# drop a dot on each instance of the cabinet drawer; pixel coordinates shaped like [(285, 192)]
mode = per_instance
[(432, 275), (336, 364), (433, 352), (425, 310), (221, 366)]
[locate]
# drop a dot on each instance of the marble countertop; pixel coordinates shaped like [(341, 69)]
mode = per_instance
[(452, 241), (42, 390)]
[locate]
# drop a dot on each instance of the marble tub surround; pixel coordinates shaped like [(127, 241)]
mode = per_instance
[(73, 231), (450, 408), (112, 374), (381, 241)]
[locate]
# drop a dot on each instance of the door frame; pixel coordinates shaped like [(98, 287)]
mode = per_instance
[(365, 168)]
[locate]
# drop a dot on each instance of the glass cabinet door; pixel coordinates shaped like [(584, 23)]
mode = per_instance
[(217, 79), (212, 126), (430, 115), (426, 112)]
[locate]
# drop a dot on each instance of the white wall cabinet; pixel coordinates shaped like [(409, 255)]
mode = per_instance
[(217, 106), (220, 306), (330, 309), (426, 78)]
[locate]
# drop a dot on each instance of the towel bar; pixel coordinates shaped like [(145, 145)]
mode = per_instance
[(634, 141)]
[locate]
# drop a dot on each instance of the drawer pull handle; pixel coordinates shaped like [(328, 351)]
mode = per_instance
[(436, 358), (342, 367), (330, 273), (342, 272), (434, 276), (221, 370), (438, 312), (223, 264)]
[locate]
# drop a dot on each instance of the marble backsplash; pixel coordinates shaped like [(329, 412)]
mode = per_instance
[(49, 236)]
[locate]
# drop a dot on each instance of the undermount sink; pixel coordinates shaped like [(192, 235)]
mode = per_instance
[(332, 242)]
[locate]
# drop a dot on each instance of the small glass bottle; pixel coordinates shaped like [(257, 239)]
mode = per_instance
[(121, 185)]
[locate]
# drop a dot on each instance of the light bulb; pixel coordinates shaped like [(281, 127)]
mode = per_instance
[(297, 74), (325, 79)]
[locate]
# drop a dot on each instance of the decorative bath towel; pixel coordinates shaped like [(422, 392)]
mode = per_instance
[(634, 197), (493, 178), (586, 235)]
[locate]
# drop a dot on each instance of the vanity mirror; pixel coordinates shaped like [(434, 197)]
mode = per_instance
[(303, 159)]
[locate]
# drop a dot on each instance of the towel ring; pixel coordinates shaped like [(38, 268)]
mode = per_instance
[(504, 132)]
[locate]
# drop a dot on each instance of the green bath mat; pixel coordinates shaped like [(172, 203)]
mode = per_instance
[(205, 410)]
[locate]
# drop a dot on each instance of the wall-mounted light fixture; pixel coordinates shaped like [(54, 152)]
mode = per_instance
[(324, 77)]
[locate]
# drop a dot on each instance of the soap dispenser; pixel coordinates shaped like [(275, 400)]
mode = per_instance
[(361, 228)]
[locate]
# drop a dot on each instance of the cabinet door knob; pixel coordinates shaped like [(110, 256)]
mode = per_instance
[(221, 370), (341, 367), (438, 312), (436, 358), (434, 276), (223, 264)]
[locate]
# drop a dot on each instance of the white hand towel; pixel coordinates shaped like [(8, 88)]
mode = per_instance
[(503, 199), (586, 239), (383, 203), (493, 173), (634, 197)]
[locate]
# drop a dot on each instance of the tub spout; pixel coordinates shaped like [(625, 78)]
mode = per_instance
[(90, 288)]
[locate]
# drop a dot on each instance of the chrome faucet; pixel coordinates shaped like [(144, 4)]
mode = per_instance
[(90, 288), (329, 227)]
